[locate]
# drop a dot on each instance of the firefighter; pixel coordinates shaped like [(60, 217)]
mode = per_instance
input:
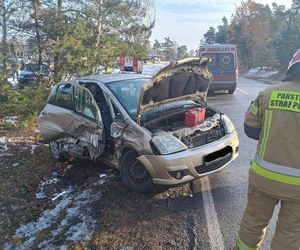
[(274, 178), (107, 70)]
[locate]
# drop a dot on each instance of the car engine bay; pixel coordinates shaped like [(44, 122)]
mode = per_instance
[(193, 134)]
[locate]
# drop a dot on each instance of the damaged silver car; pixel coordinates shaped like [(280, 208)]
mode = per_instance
[(155, 130)]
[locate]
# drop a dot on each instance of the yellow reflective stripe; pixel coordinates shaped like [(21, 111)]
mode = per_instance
[(269, 121), (253, 109), (242, 246), (285, 100), (264, 136), (267, 126), (275, 176)]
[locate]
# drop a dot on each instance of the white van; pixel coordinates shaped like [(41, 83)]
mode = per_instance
[(224, 66)]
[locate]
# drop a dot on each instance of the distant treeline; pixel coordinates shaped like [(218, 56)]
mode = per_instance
[(266, 36), (75, 36), (170, 50)]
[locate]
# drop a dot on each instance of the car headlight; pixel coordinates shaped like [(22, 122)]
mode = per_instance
[(229, 127), (168, 144)]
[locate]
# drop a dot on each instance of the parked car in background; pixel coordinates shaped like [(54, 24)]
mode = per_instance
[(223, 67), (155, 130), (31, 72), (129, 64)]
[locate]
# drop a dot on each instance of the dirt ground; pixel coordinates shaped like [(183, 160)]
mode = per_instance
[(81, 205)]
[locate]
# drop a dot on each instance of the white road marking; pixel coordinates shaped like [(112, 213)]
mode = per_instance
[(214, 231), (243, 91)]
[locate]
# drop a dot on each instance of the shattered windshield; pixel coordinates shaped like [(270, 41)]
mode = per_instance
[(128, 93)]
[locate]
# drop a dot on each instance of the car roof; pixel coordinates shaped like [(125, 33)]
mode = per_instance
[(107, 78)]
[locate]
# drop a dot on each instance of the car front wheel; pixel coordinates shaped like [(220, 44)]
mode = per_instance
[(134, 175)]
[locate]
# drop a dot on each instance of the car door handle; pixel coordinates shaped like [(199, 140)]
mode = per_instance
[(44, 113)]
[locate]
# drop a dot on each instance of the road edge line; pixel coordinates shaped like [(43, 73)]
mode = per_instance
[(213, 226), (244, 92)]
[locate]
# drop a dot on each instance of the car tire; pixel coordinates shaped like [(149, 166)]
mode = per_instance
[(54, 148), (231, 91), (210, 93), (134, 175)]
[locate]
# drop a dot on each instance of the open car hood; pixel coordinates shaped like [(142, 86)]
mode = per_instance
[(186, 79)]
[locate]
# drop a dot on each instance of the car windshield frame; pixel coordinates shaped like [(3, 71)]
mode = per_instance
[(128, 86)]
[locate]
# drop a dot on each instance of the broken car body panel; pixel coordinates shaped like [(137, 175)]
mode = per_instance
[(57, 122)]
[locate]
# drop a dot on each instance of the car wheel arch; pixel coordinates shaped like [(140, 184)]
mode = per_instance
[(123, 152)]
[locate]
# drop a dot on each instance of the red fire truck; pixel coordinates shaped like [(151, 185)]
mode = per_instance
[(224, 66), (129, 64)]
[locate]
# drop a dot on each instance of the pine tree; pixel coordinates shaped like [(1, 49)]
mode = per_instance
[(169, 49), (210, 35), (223, 31)]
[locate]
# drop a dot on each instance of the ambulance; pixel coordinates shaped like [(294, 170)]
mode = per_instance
[(224, 66)]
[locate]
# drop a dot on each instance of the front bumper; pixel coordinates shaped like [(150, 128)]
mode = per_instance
[(191, 162), (222, 85)]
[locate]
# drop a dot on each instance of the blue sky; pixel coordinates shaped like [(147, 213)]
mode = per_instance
[(185, 21)]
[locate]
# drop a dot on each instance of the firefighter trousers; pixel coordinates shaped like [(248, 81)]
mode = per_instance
[(256, 218)]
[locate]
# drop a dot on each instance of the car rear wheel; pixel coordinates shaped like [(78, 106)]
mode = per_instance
[(134, 175), (231, 91), (55, 148)]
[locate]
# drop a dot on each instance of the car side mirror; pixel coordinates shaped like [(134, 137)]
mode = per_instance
[(120, 121)]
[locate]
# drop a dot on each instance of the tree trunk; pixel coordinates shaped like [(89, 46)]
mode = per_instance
[(99, 27), (57, 55), (57, 66), (36, 14), (4, 39)]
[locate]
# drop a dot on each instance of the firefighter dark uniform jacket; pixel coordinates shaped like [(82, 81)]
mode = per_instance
[(275, 118)]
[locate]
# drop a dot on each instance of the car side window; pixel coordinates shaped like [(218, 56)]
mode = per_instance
[(63, 97), (84, 103)]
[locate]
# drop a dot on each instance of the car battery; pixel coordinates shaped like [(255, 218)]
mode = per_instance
[(194, 116)]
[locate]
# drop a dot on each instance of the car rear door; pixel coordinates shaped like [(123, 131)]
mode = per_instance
[(71, 111)]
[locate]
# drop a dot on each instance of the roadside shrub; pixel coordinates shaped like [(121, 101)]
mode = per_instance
[(4, 85), (26, 104)]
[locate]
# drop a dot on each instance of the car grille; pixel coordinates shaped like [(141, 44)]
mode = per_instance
[(198, 140), (215, 160)]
